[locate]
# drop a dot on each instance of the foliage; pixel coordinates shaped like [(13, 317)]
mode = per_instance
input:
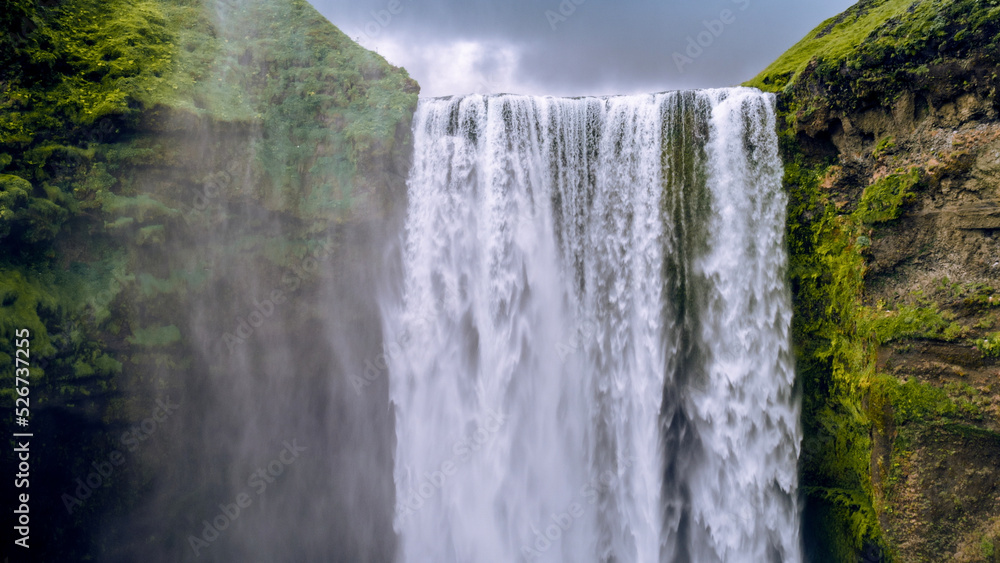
[(990, 346), (836, 338), (82, 61), (64, 345), (836, 335), (365, 98), (81, 74), (27, 219), (915, 401), (979, 296), (77, 74)]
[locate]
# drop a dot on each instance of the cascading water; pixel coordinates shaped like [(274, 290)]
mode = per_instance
[(590, 358)]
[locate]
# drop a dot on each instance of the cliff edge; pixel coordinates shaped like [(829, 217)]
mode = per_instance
[(891, 141)]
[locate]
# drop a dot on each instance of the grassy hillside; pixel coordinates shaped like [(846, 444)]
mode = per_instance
[(889, 37), (832, 41), (96, 94), (129, 131)]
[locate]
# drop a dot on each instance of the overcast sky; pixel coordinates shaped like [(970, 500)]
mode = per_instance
[(578, 47)]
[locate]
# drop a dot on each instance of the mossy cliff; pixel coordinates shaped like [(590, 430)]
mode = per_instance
[(891, 140), (151, 151)]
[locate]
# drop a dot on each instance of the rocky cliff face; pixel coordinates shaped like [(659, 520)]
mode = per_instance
[(166, 166), (893, 153)]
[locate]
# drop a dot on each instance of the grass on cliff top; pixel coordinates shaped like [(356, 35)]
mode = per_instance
[(875, 37), (833, 40)]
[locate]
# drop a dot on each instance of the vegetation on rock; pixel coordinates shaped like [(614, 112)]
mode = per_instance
[(893, 358), (127, 131)]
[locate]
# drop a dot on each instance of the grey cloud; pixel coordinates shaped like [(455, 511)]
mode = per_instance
[(594, 47)]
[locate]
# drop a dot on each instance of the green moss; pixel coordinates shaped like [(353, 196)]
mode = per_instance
[(884, 145), (883, 201), (24, 302), (119, 224), (104, 54), (914, 401), (979, 296), (152, 234), (365, 98), (322, 104), (27, 217), (835, 363), (97, 364), (142, 207), (65, 346), (77, 76), (907, 321), (155, 337), (180, 281), (986, 548), (837, 337), (989, 346)]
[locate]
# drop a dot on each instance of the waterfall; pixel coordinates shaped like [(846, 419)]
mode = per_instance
[(589, 355)]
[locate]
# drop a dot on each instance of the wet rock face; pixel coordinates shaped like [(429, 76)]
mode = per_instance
[(891, 154), (935, 446)]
